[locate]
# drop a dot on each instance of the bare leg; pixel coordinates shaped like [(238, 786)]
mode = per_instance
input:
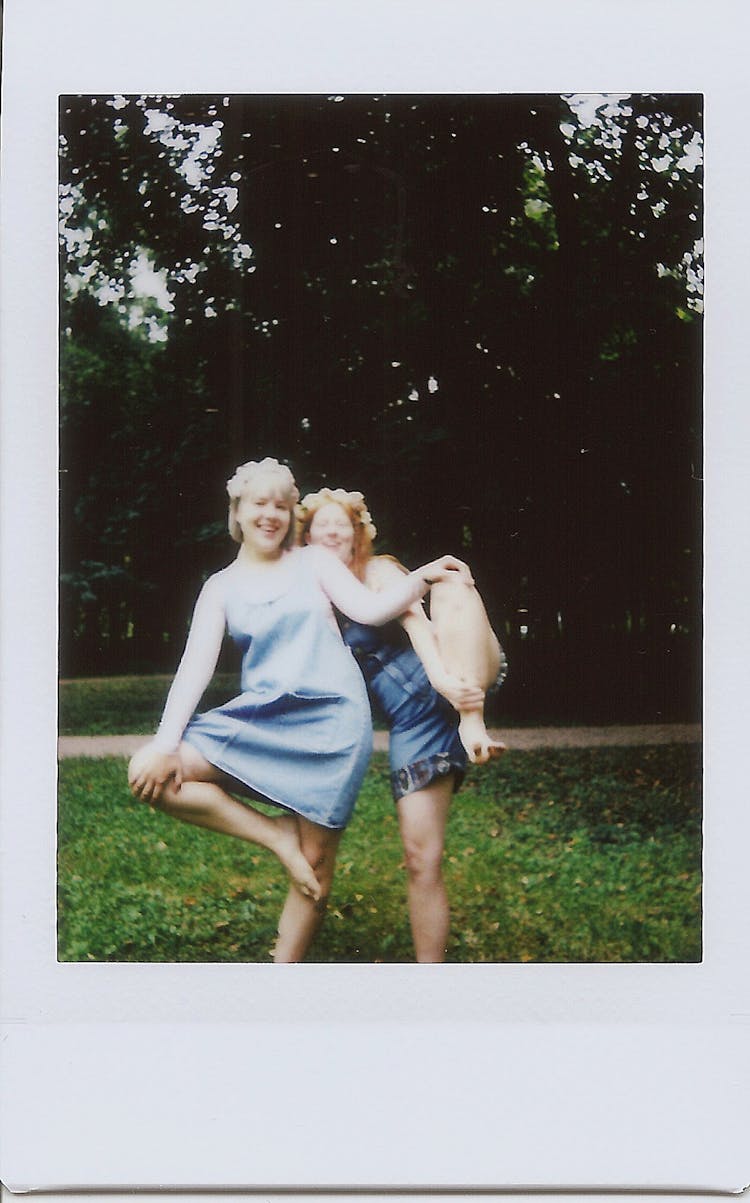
[(202, 801), (470, 650), (422, 817), (301, 916)]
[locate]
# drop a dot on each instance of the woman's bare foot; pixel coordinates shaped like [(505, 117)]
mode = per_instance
[(476, 738), (293, 859)]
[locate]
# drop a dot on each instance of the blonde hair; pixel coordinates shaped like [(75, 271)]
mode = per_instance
[(245, 479), (355, 508)]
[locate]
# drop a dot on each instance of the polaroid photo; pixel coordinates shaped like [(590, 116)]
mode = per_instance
[(382, 331)]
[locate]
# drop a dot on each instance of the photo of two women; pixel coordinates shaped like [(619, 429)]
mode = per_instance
[(380, 528)]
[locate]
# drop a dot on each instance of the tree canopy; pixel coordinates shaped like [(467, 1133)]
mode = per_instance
[(482, 311)]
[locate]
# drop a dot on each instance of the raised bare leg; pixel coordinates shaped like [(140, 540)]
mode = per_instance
[(422, 817), (200, 800), (301, 915), (470, 650)]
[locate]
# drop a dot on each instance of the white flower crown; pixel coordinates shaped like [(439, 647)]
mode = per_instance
[(244, 475), (354, 502)]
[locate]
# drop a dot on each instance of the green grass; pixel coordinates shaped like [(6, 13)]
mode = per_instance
[(125, 705), (569, 855), (133, 705)]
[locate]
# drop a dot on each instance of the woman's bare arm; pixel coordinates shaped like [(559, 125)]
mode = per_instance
[(197, 665), (361, 604), (158, 762), (380, 572)]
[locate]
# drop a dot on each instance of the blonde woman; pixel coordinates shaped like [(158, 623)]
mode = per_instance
[(298, 735), (428, 678)]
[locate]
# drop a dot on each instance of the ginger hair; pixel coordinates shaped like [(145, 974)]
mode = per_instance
[(354, 506)]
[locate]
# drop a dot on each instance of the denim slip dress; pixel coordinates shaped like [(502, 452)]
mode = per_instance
[(300, 732), (424, 741)]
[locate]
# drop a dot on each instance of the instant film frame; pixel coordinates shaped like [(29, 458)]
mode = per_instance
[(123, 1076), (372, 287)]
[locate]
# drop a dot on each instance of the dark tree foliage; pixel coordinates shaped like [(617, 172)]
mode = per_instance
[(482, 311)]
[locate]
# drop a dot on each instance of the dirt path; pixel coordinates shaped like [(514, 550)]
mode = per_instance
[(521, 738)]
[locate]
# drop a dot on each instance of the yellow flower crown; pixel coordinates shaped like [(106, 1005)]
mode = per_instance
[(354, 503)]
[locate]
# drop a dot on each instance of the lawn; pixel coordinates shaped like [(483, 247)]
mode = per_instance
[(566, 855), (133, 705), (129, 705)]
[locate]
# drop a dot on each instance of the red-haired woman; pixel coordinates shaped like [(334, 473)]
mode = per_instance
[(428, 678)]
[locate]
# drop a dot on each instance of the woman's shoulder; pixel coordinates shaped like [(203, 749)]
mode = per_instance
[(316, 558), (215, 586), (382, 570)]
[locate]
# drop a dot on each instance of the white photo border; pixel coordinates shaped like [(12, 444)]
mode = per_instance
[(480, 1076)]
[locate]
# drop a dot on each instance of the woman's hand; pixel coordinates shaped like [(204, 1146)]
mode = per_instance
[(151, 769), (461, 695), (445, 569)]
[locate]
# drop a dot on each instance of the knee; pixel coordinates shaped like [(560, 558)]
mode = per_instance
[(169, 798), (322, 866), (324, 873), (423, 860), (322, 860), (450, 596)]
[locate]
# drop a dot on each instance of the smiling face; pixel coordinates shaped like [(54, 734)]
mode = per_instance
[(332, 528), (264, 516)]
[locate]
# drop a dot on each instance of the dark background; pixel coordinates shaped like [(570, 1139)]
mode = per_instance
[(482, 311)]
